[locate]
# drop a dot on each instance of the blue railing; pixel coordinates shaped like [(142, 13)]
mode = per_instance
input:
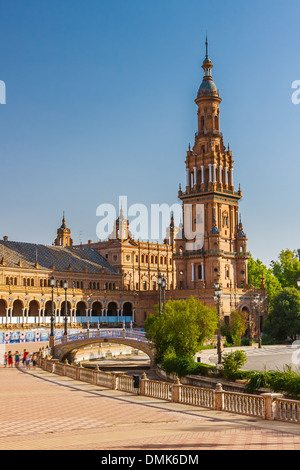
[(113, 333)]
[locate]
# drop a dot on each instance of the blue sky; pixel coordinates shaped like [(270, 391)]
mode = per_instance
[(100, 103)]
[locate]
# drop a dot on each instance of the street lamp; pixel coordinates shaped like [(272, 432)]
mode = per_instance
[(159, 283), (257, 301), (163, 286), (298, 282), (65, 285), (217, 299), (52, 285)]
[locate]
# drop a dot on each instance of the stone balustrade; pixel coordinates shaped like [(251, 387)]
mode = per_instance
[(270, 406)]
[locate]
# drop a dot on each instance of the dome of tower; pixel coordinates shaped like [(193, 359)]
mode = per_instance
[(207, 87)]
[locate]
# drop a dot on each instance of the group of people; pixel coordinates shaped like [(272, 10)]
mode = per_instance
[(27, 359)]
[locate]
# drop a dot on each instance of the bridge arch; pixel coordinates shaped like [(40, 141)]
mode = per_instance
[(67, 348)]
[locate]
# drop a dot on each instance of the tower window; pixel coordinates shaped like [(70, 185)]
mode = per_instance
[(200, 271)]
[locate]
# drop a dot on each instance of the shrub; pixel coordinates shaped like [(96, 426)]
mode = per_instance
[(246, 342), (181, 366), (205, 369), (286, 381), (258, 380), (268, 340), (232, 362)]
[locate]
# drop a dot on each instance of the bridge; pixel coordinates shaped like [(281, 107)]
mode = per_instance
[(67, 346)]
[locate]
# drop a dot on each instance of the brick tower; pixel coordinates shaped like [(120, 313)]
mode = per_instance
[(213, 245)]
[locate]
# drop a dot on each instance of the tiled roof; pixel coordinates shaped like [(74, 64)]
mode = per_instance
[(79, 259)]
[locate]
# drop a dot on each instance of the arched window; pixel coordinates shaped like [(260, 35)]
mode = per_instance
[(202, 121)]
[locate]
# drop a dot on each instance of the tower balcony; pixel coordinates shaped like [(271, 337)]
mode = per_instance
[(208, 132), (199, 191)]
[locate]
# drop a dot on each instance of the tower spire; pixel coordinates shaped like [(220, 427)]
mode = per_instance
[(206, 44)]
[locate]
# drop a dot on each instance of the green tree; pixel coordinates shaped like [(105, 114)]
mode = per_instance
[(236, 328), (256, 272), (182, 328), (284, 319), (287, 268)]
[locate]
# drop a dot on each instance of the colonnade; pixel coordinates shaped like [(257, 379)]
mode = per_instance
[(191, 176), (43, 317)]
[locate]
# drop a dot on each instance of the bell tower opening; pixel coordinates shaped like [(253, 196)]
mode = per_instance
[(63, 235)]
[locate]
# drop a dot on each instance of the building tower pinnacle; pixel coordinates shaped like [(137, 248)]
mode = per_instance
[(63, 234), (210, 184)]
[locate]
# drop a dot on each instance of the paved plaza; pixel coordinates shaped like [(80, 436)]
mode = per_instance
[(266, 358), (42, 411)]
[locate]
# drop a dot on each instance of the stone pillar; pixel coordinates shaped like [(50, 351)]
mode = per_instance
[(176, 389), (271, 405), (210, 176), (214, 179), (219, 397), (226, 175), (143, 381), (202, 174), (23, 314), (231, 177), (187, 178), (220, 175)]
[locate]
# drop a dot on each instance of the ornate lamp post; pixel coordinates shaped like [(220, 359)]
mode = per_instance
[(163, 286), (217, 299), (257, 302), (66, 309), (52, 285), (159, 283)]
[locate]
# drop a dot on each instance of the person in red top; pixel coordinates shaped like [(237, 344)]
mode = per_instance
[(10, 359), (25, 353)]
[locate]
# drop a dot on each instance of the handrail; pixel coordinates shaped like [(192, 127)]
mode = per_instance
[(113, 333), (269, 406)]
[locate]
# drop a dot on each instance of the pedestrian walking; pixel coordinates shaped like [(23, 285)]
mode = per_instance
[(28, 359), (5, 359), (25, 353), (10, 359), (34, 360), (17, 358)]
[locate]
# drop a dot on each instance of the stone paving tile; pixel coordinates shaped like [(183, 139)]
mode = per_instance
[(43, 411)]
